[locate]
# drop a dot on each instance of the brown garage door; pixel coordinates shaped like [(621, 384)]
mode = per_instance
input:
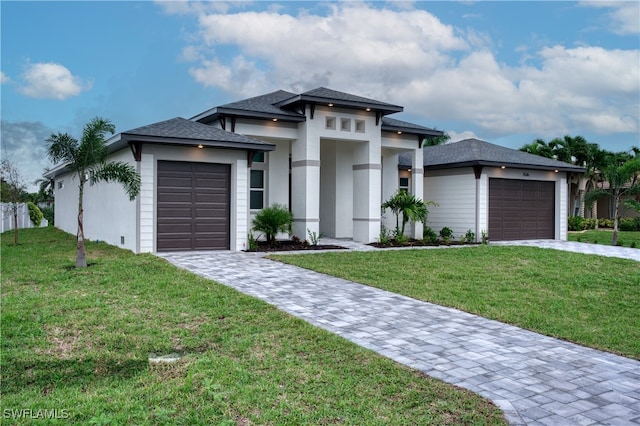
[(193, 206), (521, 209)]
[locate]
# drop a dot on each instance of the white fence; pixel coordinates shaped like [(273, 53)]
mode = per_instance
[(23, 217)]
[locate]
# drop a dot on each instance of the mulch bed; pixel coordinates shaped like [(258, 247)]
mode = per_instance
[(289, 245), (419, 243)]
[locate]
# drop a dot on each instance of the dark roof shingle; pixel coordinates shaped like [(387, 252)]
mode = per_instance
[(180, 131), (470, 152)]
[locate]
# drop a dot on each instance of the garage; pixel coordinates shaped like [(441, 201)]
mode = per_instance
[(521, 209), (193, 206)]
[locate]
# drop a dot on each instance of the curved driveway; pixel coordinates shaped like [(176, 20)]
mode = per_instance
[(534, 379)]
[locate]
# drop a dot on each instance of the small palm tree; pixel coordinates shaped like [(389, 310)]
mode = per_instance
[(272, 220), (409, 206), (86, 159)]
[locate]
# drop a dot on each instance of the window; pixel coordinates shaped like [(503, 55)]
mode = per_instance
[(330, 123), (345, 124), (60, 184), (360, 126), (404, 184), (257, 181), (256, 194)]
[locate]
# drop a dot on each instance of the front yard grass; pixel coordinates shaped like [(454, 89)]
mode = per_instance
[(76, 342), (604, 236), (590, 300)]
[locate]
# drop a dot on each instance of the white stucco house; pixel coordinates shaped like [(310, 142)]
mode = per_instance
[(331, 157)]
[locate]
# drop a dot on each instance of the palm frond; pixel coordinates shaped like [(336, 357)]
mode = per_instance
[(120, 172), (62, 148)]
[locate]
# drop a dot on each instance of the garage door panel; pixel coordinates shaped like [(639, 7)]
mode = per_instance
[(520, 209), (193, 204)]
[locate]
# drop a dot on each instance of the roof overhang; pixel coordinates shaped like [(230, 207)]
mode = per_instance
[(303, 99), (217, 113), (498, 165), (425, 133)]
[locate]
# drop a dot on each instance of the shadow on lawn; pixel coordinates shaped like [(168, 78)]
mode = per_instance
[(47, 374)]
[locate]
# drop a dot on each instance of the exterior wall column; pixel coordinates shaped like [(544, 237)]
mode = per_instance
[(147, 205), (367, 188), (417, 186), (305, 182)]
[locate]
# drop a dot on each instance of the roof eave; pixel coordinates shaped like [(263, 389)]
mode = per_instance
[(412, 130), (319, 100), (498, 164), (130, 138), (219, 112)]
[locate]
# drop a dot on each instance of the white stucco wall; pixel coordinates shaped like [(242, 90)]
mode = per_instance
[(109, 215)]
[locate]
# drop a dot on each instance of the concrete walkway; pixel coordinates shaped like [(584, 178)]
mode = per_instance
[(534, 379)]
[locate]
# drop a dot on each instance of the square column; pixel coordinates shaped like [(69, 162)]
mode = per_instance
[(390, 183), (367, 187), (417, 187), (305, 183)]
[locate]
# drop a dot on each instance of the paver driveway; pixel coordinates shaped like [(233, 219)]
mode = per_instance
[(534, 379)]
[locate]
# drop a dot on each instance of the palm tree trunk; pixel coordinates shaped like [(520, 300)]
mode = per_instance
[(616, 202), (81, 256)]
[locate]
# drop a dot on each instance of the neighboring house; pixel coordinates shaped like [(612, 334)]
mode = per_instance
[(203, 179), (331, 157), (510, 194)]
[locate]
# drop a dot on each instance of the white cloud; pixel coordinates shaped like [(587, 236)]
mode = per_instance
[(624, 16), (51, 81), (411, 58), (4, 78)]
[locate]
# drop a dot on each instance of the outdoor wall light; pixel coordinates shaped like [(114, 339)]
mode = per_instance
[(503, 167), (368, 109), (200, 146), (330, 104), (399, 132), (274, 119), (556, 170)]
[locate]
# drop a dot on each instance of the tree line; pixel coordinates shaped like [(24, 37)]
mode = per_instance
[(615, 175)]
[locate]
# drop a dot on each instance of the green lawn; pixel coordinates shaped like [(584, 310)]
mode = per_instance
[(78, 341), (590, 300), (604, 236)]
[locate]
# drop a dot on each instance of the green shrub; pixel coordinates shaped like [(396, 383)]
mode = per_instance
[(429, 235), (272, 220), (588, 223), (446, 233), (575, 223), (470, 236), (48, 213), (35, 214), (605, 223), (630, 224)]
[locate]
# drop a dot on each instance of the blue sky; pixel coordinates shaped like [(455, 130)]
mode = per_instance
[(505, 72)]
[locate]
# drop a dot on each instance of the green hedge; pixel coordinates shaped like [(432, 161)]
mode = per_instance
[(577, 223)]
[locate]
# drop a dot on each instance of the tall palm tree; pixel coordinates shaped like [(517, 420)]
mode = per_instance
[(87, 160), (538, 147), (624, 180)]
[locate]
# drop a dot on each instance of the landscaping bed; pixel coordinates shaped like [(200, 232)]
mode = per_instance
[(292, 245)]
